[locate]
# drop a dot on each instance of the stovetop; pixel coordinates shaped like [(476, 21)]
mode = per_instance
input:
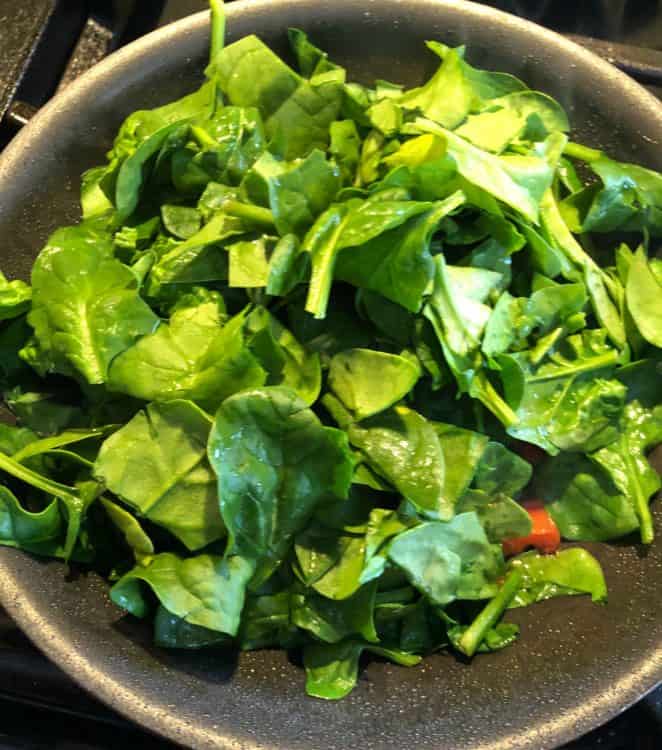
[(44, 45)]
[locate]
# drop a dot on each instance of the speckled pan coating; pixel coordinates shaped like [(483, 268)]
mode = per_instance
[(576, 664)]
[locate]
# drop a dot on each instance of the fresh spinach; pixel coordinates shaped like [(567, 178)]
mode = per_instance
[(281, 250)]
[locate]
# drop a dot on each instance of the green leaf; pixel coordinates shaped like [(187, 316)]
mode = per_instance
[(275, 464), (345, 147), (298, 191), (630, 198), (332, 621), (197, 259), (402, 446), (504, 119), (86, 308), (447, 97), (157, 464), (354, 372), (594, 278), (626, 462), (330, 561), (131, 175), (567, 403), (643, 293), (41, 412), (171, 631), (448, 561), (501, 517), (249, 264), (296, 113), (462, 451), (204, 590), (398, 263), (568, 572), (193, 356), (483, 627), (134, 535), (518, 181), (288, 266), (501, 471), (286, 362), (181, 221), (75, 500), (41, 533), (332, 669), (266, 621), (348, 225), (310, 59), (583, 500), (15, 297)]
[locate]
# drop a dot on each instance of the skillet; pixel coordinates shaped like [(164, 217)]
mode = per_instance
[(576, 664)]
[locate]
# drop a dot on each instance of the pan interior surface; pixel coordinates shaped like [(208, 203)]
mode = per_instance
[(576, 664)]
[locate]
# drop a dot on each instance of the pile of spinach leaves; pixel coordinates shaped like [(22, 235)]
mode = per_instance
[(272, 383)]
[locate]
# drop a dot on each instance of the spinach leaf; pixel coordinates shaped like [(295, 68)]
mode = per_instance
[(157, 464), (15, 297), (296, 113), (181, 221), (330, 561), (345, 147), (583, 500), (134, 535), (288, 266), (565, 403), (462, 451), (518, 181), (506, 118), (629, 199), (484, 628), (86, 308), (41, 411), (41, 533), (352, 377), (204, 590), (266, 621), (287, 362), (599, 287), (566, 573), (448, 561), (332, 621), (296, 192), (171, 631), (75, 500), (501, 471), (398, 263), (643, 293), (346, 225), (626, 462), (192, 356), (501, 517), (332, 669), (275, 464), (402, 446)]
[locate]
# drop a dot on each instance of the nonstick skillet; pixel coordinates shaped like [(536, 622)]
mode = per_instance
[(576, 664)]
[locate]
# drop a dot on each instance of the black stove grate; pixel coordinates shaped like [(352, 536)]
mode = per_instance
[(44, 45)]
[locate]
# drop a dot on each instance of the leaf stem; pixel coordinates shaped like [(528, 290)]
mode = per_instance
[(474, 634), (217, 28), (11, 466), (253, 214), (584, 153)]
